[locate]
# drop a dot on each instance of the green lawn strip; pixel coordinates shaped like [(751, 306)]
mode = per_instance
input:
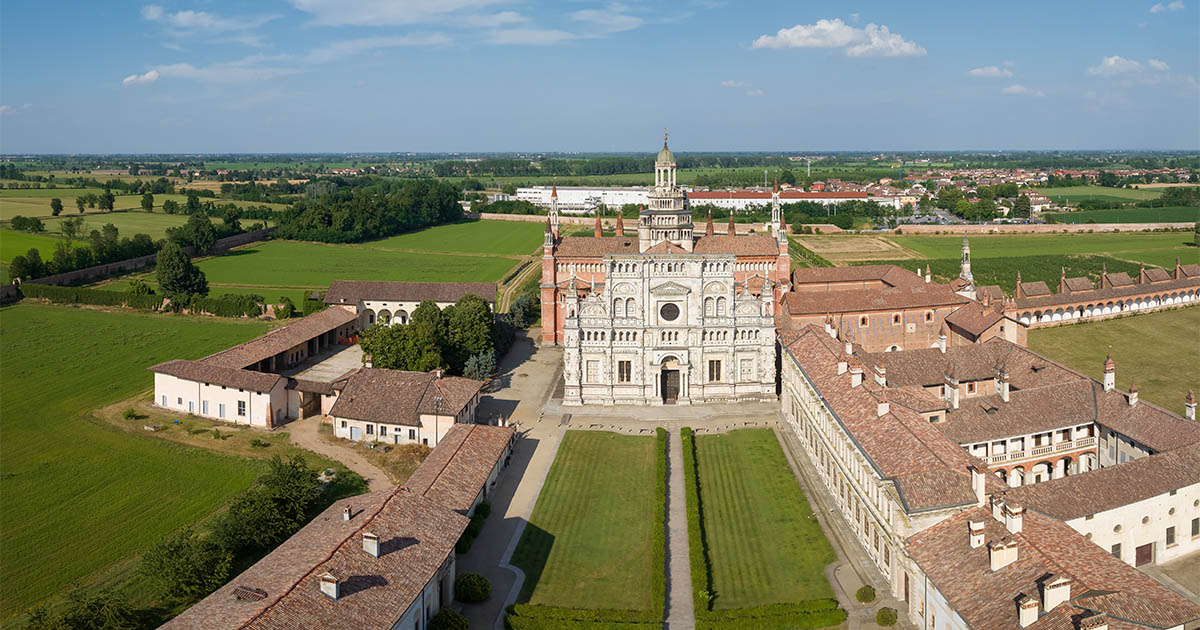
[(757, 551), (1159, 246), (1157, 351), (1171, 214), (483, 237), (589, 542), (293, 263), (67, 478), (1003, 271)]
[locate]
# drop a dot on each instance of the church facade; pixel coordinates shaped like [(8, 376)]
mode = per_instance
[(664, 316)]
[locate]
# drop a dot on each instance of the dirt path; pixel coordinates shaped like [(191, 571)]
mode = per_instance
[(305, 433)]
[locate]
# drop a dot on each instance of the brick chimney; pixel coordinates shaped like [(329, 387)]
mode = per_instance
[(1027, 610), (1094, 621), (1133, 395), (975, 528), (708, 229), (346, 513), (1189, 406), (978, 483), (1018, 292), (371, 544), (882, 406), (1002, 553), (329, 585), (1056, 589), (1014, 517), (1110, 373)]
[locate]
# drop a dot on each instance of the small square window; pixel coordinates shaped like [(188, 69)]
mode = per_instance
[(412, 434), (343, 424)]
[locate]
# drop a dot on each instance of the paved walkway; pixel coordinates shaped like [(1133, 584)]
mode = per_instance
[(305, 433), (680, 612)]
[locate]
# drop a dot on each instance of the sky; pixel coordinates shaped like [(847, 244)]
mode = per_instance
[(214, 76)]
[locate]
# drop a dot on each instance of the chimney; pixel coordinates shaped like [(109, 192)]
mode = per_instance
[(882, 406), (928, 274), (346, 513), (998, 508), (1002, 384), (1189, 406), (880, 375), (943, 334), (732, 227), (1110, 373), (976, 531), (856, 372), (951, 388), (1014, 515), (371, 544), (1056, 589), (620, 224), (843, 365), (829, 325), (329, 585), (1133, 395), (1002, 553), (599, 231), (979, 483), (1027, 610), (1094, 621)]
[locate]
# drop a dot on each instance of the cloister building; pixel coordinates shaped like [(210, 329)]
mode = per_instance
[(1078, 299)]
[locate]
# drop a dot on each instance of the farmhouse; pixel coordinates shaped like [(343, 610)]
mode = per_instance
[(391, 303), (934, 455), (380, 560), (396, 407)]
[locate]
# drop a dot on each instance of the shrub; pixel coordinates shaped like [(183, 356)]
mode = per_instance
[(886, 617), (865, 594), (480, 366), (448, 620), (257, 443), (483, 510), (129, 414), (216, 433), (104, 610), (98, 297), (286, 308), (186, 565), (472, 588)]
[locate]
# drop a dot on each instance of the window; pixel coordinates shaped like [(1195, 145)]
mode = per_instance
[(221, 410), (593, 371), (1116, 550), (412, 434), (746, 368), (164, 399), (714, 371), (1196, 527), (382, 431), (241, 407), (624, 371), (204, 407), (928, 316), (191, 406), (370, 429), (863, 321), (1170, 536), (896, 319), (669, 312), (970, 388), (179, 401), (343, 424)]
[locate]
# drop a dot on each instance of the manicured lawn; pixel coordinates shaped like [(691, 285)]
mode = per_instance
[(1080, 193), (301, 265), (764, 543), (1173, 214), (587, 544), (1157, 351), (481, 237), (14, 243), (77, 497)]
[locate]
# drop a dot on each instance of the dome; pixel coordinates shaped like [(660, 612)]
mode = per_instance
[(665, 155)]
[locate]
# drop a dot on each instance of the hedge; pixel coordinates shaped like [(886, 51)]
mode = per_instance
[(791, 621), (449, 620), (697, 549), (472, 588), (533, 617), (229, 305), (813, 258), (659, 542), (98, 297)]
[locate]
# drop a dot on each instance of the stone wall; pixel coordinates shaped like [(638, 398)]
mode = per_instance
[(719, 227), (1039, 228)]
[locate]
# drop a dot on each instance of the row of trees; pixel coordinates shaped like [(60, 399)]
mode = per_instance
[(461, 338), (102, 246), (368, 207)]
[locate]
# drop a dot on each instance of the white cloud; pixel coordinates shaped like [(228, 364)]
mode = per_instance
[(1115, 64), (733, 84), (754, 92), (871, 41), (189, 21), (135, 79), (990, 72), (854, 17), (493, 20), (1177, 5), (351, 47), (386, 12), (612, 19), (527, 36), (1018, 89), (152, 12), (1158, 64), (5, 109)]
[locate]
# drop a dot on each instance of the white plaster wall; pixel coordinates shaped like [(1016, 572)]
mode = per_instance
[(1160, 512), (179, 393)]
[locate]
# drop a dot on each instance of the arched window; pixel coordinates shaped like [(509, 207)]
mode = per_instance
[(895, 319), (710, 307), (720, 307), (863, 321)]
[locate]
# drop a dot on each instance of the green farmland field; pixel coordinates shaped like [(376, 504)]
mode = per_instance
[(1075, 194), (587, 543), (14, 243), (480, 237), (1157, 351), (765, 545), (25, 203), (77, 497), (1173, 214), (128, 223), (1154, 248)]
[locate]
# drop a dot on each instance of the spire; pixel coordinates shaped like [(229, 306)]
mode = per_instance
[(554, 190), (708, 229), (599, 225), (777, 185), (547, 225), (1178, 272), (1142, 273), (620, 224), (1018, 292), (554, 209), (1109, 364), (732, 228)]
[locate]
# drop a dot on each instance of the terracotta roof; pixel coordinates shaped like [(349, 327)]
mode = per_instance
[(1190, 271), (199, 371), (665, 247), (984, 418), (974, 318), (742, 245), (1120, 279), (918, 399), (1079, 284), (455, 472), (974, 362), (871, 299), (1076, 496), (888, 274), (991, 290), (1145, 422), (1035, 289), (1111, 293), (396, 397), (1157, 274), (282, 339), (986, 599), (351, 291), (312, 387), (595, 246)]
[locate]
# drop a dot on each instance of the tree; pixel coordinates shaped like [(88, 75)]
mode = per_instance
[(272, 510), (56, 206), (186, 566), (103, 610), (524, 310), (80, 203), (468, 330), (176, 274), (70, 228), (138, 287), (1196, 238), (509, 189), (948, 197), (193, 202), (148, 202), (286, 308), (480, 366), (171, 206), (27, 267), (199, 232), (787, 177), (231, 217), (1021, 207), (415, 346), (107, 201)]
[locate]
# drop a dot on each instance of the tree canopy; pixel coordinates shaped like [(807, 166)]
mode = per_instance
[(176, 273)]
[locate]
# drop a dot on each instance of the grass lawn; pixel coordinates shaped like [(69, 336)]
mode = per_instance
[(302, 265), (1155, 350), (77, 497), (587, 543), (36, 203), (128, 223), (1172, 214), (1155, 248), (14, 243), (764, 543), (1073, 194), (480, 237)]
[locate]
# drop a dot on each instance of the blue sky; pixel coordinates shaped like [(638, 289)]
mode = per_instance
[(499, 75)]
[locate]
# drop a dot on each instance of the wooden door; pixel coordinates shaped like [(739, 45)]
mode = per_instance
[(670, 386), (1144, 554)]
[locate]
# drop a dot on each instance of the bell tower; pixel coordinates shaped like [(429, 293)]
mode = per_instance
[(667, 217)]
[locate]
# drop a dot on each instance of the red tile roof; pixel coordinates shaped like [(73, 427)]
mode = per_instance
[(868, 299), (202, 372), (455, 472), (974, 318), (283, 338), (741, 245), (887, 274), (396, 397)]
